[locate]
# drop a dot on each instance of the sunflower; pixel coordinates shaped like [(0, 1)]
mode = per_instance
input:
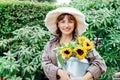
[(80, 52), (67, 52), (81, 39), (87, 44)]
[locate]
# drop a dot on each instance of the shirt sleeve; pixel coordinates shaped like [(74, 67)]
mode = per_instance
[(49, 68), (97, 64)]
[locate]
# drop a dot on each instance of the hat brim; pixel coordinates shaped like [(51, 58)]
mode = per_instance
[(50, 20)]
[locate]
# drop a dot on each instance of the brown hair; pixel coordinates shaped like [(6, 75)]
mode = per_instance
[(70, 17)]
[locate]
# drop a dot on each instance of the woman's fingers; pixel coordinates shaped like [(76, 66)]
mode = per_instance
[(78, 78), (64, 75), (70, 74)]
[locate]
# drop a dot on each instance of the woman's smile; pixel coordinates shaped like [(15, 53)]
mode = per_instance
[(67, 29), (66, 26)]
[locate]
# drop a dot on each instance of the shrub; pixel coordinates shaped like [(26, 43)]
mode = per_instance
[(103, 19), (23, 60), (22, 39), (17, 14)]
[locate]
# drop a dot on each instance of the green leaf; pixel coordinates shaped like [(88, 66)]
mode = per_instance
[(61, 60)]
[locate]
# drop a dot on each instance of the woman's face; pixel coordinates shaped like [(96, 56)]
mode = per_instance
[(66, 25)]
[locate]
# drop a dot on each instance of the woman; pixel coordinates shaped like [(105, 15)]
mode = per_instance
[(66, 24)]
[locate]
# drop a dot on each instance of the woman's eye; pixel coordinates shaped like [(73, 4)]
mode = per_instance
[(70, 21), (62, 21)]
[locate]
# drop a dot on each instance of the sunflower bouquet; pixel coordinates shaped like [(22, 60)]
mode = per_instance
[(78, 49)]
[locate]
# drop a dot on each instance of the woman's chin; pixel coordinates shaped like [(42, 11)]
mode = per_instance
[(67, 33)]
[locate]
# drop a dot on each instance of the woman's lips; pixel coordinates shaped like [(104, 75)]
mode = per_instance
[(68, 29)]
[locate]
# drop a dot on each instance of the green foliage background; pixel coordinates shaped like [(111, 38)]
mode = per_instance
[(16, 14), (22, 39), (23, 35), (46, 0), (103, 17)]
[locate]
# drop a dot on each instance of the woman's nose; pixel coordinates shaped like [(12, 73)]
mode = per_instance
[(66, 24)]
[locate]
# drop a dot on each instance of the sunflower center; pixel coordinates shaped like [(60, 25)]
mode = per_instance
[(80, 52), (88, 44), (67, 52)]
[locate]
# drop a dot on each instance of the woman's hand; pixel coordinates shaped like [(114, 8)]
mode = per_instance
[(64, 75), (81, 78), (87, 76)]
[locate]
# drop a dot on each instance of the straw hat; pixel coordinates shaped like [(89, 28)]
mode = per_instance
[(51, 17)]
